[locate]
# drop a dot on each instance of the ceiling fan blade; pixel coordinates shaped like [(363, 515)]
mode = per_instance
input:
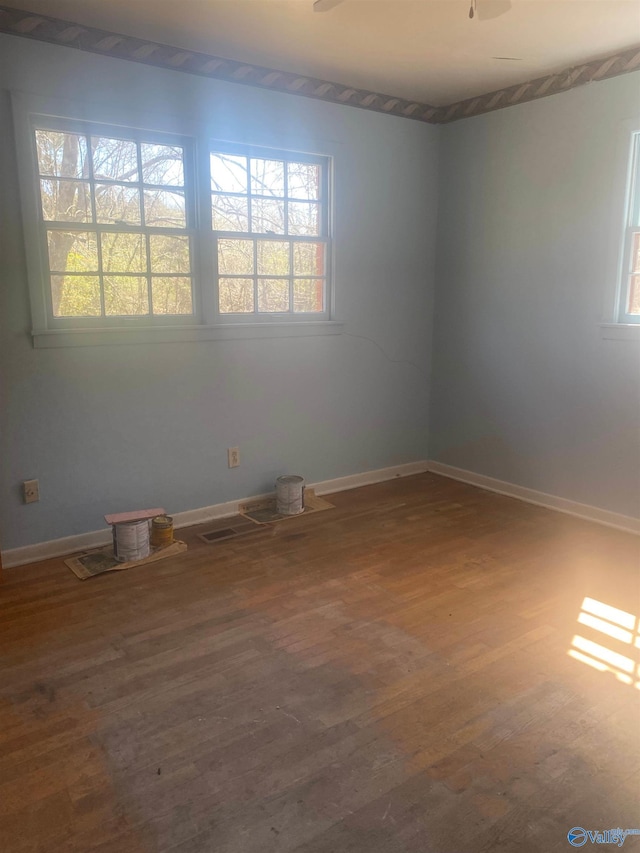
[(488, 9), (325, 5)]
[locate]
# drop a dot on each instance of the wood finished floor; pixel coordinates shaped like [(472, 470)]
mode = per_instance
[(391, 676)]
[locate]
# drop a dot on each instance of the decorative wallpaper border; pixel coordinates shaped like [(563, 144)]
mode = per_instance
[(552, 84), (56, 31), (43, 28)]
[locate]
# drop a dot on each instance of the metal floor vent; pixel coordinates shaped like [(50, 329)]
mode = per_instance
[(242, 528), (213, 535)]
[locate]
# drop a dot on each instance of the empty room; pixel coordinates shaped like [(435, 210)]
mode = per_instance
[(375, 261)]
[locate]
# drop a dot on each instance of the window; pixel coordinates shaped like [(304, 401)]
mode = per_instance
[(137, 235), (630, 283), (270, 220), (115, 222)]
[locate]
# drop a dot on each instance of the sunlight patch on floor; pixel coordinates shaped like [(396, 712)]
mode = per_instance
[(618, 626)]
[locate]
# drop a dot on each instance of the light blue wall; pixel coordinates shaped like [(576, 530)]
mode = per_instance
[(524, 389), (114, 428)]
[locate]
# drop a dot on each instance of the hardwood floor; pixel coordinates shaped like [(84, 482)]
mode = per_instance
[(390, 676)]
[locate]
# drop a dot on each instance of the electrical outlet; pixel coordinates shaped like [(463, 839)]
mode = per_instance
[(233, 457), (31, 491)]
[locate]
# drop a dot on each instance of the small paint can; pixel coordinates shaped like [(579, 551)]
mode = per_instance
[(290, 494), (161, 531), (131, 541)]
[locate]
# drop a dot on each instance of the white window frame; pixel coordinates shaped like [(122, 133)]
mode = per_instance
[(631, 229), (324, 162), (206, 323), (614, 325), (190, 231)]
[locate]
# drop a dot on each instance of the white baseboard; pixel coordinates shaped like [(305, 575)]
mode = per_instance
[(55, 548), (96, 538), (368, 478), (531, 496)]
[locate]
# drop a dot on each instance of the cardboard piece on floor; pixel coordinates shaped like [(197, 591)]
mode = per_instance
[(92, 563), (264, 511)]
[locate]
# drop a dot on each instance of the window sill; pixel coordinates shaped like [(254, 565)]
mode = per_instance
[(115, 336), (620, 331)]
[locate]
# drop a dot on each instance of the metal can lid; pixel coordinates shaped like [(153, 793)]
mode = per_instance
[(162, 521)]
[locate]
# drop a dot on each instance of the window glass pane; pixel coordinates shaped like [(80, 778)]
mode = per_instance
[(169, 254), (117, 203), (141, 187), (62, 155), (304, 218), (267, 216), (273, 294), (126, 295), (75, 295), (172, 295), (273, 257), (235, 295), (228, 173), (114, 159), (162, 164), (634, 201), (304, 180), (308, 295), (164, 209), (635, 253), (72, 251), (308, 258), (124, 253), (267, 177), (66, 201), (235, 257), (229, 213), (634, 295)]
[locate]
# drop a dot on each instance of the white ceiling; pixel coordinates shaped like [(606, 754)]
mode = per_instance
[(427, 50)]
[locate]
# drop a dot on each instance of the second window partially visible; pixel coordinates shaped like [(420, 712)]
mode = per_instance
[(270, 218), (630, 283)]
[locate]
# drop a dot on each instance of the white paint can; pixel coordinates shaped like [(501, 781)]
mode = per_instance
[(131, 541), (290, 494)]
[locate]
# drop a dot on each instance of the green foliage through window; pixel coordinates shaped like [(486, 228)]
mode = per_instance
[(125, 235), (113, 210)]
